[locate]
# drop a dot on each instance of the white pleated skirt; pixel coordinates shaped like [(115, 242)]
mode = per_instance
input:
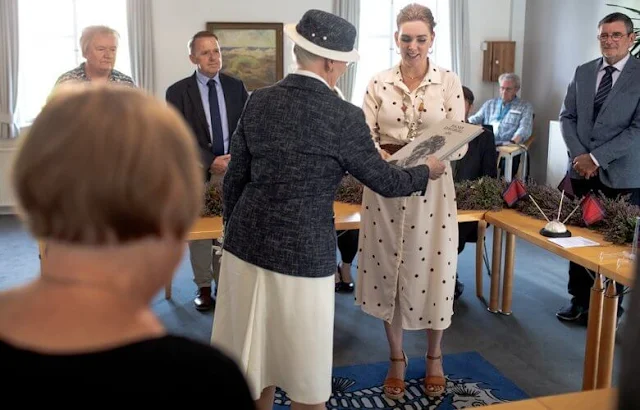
[(278, 328)]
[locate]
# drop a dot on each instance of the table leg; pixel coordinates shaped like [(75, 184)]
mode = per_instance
[(607, 337), (482, 231), (594, 327), (507, 285), (167, 291), (41, 252), (496, 256)]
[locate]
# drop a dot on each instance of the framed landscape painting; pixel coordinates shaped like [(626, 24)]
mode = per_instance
[(251, 52)]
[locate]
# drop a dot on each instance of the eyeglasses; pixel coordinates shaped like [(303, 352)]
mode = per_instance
[(614, 37)]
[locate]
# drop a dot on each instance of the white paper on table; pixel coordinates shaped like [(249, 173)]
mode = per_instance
[(573, 242)]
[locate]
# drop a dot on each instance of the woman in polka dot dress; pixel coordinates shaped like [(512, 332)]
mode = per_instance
[(408, 246)]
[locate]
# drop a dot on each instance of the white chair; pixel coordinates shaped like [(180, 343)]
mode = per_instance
[(508, 152)]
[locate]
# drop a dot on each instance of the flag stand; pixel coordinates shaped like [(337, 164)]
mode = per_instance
[(555, 228)]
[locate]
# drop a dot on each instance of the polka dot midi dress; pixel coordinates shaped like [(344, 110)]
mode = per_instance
[(408, 249)]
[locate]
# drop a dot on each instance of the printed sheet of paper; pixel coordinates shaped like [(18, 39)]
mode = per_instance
[(573, 242), (441, 139)]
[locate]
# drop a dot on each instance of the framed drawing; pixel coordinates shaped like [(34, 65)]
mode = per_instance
[(251, 51)]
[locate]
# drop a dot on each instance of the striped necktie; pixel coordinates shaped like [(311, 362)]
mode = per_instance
[(603, 90)]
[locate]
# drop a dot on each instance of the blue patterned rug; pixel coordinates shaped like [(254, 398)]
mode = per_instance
[(471, 382)]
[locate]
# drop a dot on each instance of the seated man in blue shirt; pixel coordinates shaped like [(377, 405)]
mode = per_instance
[(510, 116)]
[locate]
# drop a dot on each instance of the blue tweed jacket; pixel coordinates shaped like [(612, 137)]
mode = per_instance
[(293, 144)]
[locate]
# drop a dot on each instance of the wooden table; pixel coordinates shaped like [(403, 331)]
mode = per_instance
[(623, 274), (602, 399), (600, 342), (528, 228), (347, 216)]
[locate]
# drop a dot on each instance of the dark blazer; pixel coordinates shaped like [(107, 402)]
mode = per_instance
[(481, 159), (293, 145), (185, 96), (614, 136)]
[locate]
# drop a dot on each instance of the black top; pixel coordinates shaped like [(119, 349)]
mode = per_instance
[(162, 369), (481, 158)]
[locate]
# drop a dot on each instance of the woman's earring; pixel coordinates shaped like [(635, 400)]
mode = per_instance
[(431, 50)]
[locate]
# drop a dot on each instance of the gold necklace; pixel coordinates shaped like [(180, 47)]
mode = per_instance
[(413, 78), (416, 119)]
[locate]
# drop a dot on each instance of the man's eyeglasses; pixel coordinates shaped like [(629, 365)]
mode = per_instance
[(614, 36)]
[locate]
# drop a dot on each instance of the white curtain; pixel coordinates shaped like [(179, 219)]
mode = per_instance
[(350, 11), (9, 70), (459, 16), (139, 17)]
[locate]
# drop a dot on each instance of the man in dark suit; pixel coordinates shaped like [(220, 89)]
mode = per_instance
[(600, 123), (481, 160), (211, 103)]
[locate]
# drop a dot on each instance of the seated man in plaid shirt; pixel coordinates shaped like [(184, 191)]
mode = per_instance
[(510, 116)]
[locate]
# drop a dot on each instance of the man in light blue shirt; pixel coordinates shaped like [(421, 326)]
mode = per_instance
[(510, 116)]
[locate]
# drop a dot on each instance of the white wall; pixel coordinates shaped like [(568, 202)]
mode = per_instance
[(559, 36), (174, 22), (493, 20)]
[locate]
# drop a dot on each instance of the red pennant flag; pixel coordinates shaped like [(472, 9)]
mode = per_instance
[(522, 191), (514, 192), (592, 210), (566, 186)]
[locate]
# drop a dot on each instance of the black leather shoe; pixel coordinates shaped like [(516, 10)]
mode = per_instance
[(572, 313), (344, 287), (204, 301)]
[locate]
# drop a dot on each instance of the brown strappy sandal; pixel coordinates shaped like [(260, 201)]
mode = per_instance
[(434, 386), (394, 382)]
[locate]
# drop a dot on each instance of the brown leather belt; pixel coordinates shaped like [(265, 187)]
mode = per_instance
[(391, 148)]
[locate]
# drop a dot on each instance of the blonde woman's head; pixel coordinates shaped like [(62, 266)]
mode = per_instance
[(106, 165)]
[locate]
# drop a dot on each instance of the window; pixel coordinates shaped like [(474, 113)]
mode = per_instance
[(49, 33), (376, 43)]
